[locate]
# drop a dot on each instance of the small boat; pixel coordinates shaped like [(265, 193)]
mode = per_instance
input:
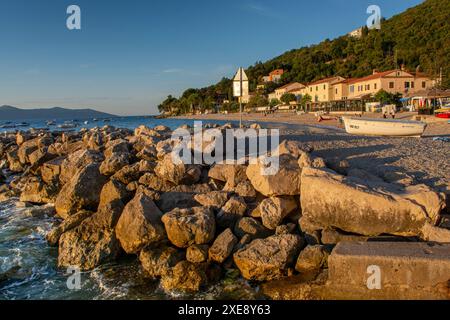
[(384, 127), (444, 115), (67, 125), (86, 122), (51, 123)]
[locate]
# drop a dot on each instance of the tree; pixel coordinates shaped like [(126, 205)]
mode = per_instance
[(274, 102), (305, 100), (257, 101), (385, 97), (288, 97)]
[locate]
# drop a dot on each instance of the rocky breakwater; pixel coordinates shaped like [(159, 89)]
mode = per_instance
[(117, 192)]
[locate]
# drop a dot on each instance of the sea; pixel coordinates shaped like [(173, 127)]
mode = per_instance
[(28, 265)]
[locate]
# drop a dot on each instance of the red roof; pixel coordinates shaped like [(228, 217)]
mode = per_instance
[(331, 79), (277, 72)]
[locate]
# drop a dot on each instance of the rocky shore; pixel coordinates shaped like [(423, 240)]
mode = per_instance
[(310, 231)]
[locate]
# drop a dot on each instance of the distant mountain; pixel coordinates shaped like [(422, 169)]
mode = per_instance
[(13, 113)]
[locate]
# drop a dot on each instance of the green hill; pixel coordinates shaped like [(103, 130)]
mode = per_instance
[(418, 38)]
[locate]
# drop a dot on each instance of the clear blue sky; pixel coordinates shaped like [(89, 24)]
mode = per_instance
[(131, 54)]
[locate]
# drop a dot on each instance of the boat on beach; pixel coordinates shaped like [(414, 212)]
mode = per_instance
[(384, 127)]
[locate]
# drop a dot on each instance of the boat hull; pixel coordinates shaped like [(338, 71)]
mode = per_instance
[(390, 128)]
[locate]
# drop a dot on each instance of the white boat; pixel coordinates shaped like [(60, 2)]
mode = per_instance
[(384, 127)]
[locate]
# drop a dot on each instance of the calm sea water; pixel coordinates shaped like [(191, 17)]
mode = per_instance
[(28, 268)]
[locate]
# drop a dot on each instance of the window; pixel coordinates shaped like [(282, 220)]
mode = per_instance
[(368, 87), (310, 89), (391, 85), (424, 84), (324, 87), (406, 85), (352, 89), (336, 91), (375, 86), (317, 88)]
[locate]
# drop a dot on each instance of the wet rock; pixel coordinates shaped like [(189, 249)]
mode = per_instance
[(140, 224), (275, 184), (268, 259), (158, 260), (369, 208), (185, 276), (68, 224), (251, 227), (231, 212), (41, 211), (186, 227), (274, 210), (35, 191), (87, 246), (81, 192), (197, 253), (223, 246)]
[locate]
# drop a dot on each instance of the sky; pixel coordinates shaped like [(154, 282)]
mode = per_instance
[(130, 54)]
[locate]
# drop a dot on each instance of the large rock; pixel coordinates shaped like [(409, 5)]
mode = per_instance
[(223, 246), (35, 191), (197, 253), (154, 182), (251, 227), (114, 162), (87, 246), (268, 259), (128, 174), (51, 170), (213, 199), (273, 210), (370, 208), (180, 173), (77, 161), (68, 224), (231, 212), (284, 182), (186, 227), (185, 276), (114, 193), (157, 260), (81, 192), (229, 173), (140, 224), (312, 259), (172, 200)]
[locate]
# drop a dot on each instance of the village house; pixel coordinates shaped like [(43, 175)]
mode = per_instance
[(322, 90), (393, 81), (274, 76), (295, 86)]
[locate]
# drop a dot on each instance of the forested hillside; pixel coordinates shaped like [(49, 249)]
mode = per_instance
[(418, 38)]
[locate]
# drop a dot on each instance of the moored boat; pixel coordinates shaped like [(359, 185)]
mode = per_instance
[(384, 127)]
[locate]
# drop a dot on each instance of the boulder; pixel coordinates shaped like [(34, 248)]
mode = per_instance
[(77, 161), (180, 173), (197, 253), (68, 224), (51, 170), (152, 181), (244, 189), (127, 174), (251, 227), (114, 162), (81, 192), (268, 259), (312, 259), (185, 276), (369, 208), (158, 260), (186, 227), (223, 246), (35, 191), (276, 184), (87, 246), (229, 173), (114, 193), (140, 224), (231, 212), (293, 148), (214, 199), (273, 210)]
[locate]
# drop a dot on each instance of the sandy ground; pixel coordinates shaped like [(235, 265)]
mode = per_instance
[(423, 159)]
